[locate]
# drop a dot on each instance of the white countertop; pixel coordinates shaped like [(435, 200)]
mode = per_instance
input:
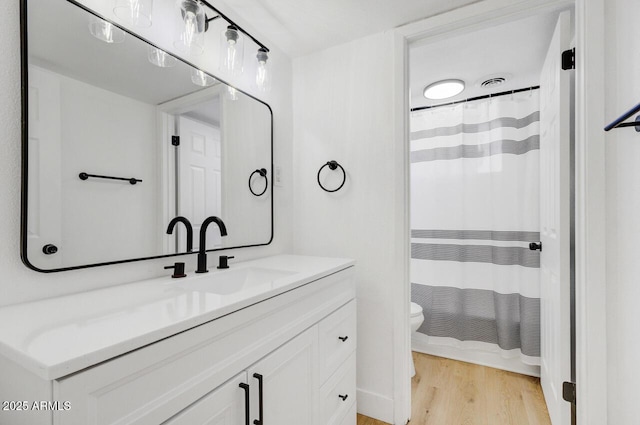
[(58, 336)]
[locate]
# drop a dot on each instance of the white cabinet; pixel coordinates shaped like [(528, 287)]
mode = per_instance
[(284, 384), (299, 345)]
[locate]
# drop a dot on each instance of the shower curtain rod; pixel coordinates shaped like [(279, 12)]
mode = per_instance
[(486, 96)]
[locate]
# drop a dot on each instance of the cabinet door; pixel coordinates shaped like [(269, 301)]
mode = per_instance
[(223, 406), (288, 378)]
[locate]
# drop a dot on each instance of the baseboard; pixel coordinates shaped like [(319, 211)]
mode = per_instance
[(375, 406), (483, 358)]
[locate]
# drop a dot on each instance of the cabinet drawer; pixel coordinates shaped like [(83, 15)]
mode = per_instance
[(338, 394), (337, 339)]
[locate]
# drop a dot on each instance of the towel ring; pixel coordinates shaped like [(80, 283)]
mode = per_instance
[(263, 173), (332, 166)]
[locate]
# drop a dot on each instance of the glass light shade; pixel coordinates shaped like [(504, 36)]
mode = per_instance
[(232, 93), (190, 27), (200, 78), (231, 50), (160, 58), (263, 72), (134, 12), (105, 31), (443, 89)]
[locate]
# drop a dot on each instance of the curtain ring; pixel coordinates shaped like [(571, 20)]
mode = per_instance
[(263, 173), (332, 166)]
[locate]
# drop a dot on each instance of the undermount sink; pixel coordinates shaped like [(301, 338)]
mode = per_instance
[(234, 281)]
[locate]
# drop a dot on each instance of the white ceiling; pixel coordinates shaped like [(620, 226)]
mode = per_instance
[(300, 27), (517, 48)]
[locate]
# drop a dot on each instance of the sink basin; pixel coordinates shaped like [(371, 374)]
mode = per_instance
[(234, 281)]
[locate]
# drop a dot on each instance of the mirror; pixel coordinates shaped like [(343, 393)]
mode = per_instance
[(97, 113)]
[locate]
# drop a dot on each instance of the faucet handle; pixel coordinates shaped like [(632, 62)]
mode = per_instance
[(224, 261), (178, 270)]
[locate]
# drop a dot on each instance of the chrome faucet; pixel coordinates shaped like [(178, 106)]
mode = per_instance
[(202, 253), (187, 225)]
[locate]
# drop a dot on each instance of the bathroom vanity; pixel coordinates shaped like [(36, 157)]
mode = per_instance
[(267, 342)]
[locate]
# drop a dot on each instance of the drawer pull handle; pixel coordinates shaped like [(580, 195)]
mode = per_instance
[(260, 399), (343, 397), (343, 338), (245, 387)]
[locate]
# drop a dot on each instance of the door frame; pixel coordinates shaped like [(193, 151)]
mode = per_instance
[(590, 236)]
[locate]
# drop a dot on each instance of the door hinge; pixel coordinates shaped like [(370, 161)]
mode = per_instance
[(569, 392), (175, 140), (569, 59)]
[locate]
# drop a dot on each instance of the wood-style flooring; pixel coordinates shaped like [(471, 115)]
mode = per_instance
[(449, 392)]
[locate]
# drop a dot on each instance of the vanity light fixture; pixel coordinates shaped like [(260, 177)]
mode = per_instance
[(160, 58), (105, 31), (443, 89), (201, 78), (263, 74), (134, 12), (191, 26), (232, 50)]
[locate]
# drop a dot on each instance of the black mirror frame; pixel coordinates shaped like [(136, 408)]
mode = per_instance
[(24, 63)]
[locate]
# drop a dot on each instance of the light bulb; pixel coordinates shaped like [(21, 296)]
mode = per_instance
[(160, 58), (231, 48), (134, 12), (232, 93), (263, 73), (190, 27), (105, 31), (231, 55), (200, 78)]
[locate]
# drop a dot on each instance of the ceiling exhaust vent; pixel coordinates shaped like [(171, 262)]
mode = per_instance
[(493, 82)]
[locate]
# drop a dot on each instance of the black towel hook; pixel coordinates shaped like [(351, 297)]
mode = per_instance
[(263, 173), (333, 165)]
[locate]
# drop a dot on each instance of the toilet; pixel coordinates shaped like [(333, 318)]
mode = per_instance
[(416, 319)]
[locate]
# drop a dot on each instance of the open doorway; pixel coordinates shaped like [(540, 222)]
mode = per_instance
[(490, 175)]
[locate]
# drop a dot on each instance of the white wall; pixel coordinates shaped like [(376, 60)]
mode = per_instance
[(18, 283), (344, 111), (623, 221), (91, 146)]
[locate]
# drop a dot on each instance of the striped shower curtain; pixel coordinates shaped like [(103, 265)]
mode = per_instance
[(474, 210)]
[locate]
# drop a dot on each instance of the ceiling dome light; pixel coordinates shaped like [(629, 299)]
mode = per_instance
[(443, 89)]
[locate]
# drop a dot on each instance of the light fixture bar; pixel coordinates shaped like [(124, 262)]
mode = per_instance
[(238, 27)]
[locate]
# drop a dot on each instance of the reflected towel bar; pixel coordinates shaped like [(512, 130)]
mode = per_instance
[(619, 122), (85, 176)]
